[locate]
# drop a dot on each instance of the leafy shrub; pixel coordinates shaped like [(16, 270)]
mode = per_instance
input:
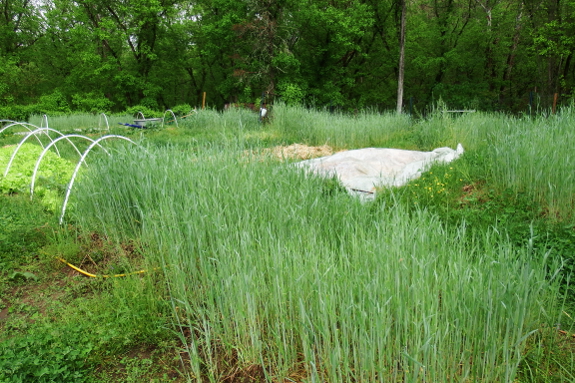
[(91, 102), (22, 113), (182, 110), (15, 112), (291, 94), (147, 112), (54, 103)]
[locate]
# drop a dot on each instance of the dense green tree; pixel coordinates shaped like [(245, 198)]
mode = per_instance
[(96, 55), (554, 41), (108, 49), (21, 26)]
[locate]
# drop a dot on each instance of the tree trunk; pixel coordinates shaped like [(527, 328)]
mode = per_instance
[(401, 57), (511, 55)]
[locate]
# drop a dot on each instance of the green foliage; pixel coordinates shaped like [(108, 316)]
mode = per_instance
[(305, 253), (138, 110), (50, 353), (8, 74), (402, 269), (19, 113), (54, 173), (182, 110), (80, 122), (458, 192), (25, 276), (54, 103), (435, 187), (345, 53), (25, 230), (67, 343), (341, 130), (91, 102), (291, 94)]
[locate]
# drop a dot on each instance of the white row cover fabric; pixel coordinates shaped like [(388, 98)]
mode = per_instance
[(361, 171)]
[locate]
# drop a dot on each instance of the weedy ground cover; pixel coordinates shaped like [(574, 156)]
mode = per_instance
[(270, 274), (20, 237), (60, 328), (57, 326)]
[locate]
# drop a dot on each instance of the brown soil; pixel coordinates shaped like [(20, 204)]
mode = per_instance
[(100, 255)]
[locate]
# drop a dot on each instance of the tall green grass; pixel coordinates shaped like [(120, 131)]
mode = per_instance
[(342, 131), (522, 154), (268, 267), (212, 120), (81, 122), (533, 156), (526, 155)]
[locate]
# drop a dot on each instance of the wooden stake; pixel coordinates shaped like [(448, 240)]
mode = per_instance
[(204, 100), (555, 102)]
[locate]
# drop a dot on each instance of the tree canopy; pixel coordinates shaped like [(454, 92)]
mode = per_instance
[(104, 55)]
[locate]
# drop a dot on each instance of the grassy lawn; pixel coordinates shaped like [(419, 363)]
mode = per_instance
[(254, 271)]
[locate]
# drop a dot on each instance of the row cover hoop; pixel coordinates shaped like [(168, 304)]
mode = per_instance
[(173, 115), (44, 119), (37, 166), (105, 119), (30, 134), (25, 125), (46, 130), (82, 158)]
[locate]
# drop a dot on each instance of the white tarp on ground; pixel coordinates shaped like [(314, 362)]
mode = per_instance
[(361, 171)]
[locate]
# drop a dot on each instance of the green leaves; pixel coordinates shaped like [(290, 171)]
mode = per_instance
[(102, 55), (23, 230), (55, 170), (23, 276), (556, 38), (48, 354)]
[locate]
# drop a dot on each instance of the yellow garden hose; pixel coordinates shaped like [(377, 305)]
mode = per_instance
[(94, 275)]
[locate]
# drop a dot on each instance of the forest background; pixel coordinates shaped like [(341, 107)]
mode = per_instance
[(104, 55)]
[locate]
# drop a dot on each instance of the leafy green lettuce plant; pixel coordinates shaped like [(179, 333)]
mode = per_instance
[(54, 173)]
